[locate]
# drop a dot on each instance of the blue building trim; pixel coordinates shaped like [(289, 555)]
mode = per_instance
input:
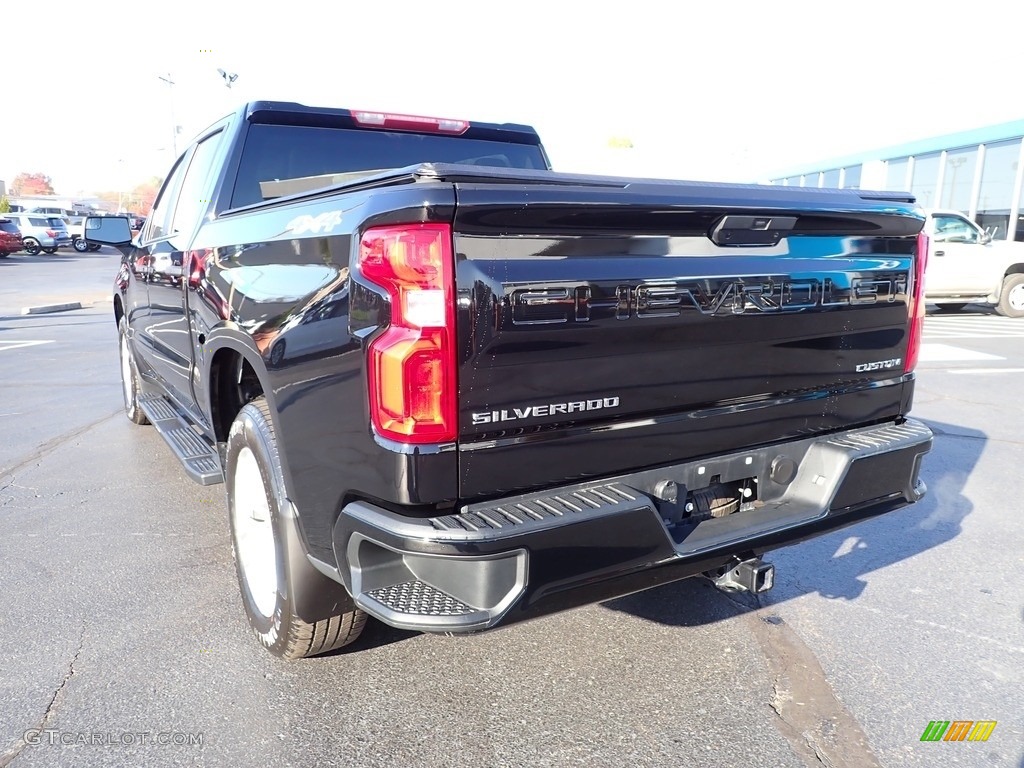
[(987, 135)]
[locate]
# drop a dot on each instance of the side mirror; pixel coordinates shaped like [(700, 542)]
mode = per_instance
[(107, 230)]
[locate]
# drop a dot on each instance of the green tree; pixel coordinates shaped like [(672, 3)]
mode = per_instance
[(5, 205)]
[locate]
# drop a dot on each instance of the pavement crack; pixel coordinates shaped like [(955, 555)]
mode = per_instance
[(51, 445), (819, 728), (48, 714)]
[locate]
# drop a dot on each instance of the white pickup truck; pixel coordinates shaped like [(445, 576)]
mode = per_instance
[(76, 227), (965, 265)]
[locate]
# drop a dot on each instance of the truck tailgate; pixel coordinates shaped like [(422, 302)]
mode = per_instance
[(602, 327)]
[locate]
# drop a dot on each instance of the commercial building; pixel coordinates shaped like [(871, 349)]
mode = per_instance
[(979, 172), (58, 204)]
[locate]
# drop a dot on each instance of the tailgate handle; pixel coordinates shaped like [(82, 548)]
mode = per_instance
[(745, 230)]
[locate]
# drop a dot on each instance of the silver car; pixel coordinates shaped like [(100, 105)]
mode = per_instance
[(41, 231)]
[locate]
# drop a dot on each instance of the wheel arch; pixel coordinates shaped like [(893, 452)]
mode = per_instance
[(1014, 269), (231, 361)]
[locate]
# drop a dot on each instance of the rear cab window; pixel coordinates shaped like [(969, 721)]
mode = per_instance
[(278, 153)]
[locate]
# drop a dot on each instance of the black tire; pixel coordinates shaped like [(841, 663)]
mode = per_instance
[(50, 251), (130, 388), (3, 254), (80, 245), (95, 247), (31, 246), (271, 612), (1011, 297)]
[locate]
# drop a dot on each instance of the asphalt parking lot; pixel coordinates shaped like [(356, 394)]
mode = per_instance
[(123, 641)]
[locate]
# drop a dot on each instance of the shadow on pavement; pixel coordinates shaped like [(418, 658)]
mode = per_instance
[(375, 634), (835, 565), (61, 256), (971, 310)]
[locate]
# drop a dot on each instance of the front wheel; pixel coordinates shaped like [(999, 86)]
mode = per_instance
[(1011, 297), (80, 245), (129, 376), (31, 246), (273, 574)]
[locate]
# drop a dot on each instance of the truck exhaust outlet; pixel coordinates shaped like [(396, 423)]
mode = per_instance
[(754, 576)]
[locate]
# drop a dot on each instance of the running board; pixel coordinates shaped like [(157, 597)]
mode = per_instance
[(196, 455)]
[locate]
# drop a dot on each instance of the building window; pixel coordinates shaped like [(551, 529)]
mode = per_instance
[(958, 179), (852, 178), (925, 179), (896, 174), (831, 178), (998, 174)]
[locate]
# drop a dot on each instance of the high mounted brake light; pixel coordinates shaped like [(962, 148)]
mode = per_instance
[(409, 122), (916, 307), (412, 363)]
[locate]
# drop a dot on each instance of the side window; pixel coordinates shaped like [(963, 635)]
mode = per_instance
[(160, 218), (194, 194), (954, 229)]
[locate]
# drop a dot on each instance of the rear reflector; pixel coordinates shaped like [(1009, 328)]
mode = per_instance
[(916, 306), (412, 379), (409, 122)]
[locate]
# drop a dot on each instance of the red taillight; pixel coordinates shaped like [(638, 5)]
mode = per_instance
[(412, 363), (409, 122), (51, 233), (916, 306)]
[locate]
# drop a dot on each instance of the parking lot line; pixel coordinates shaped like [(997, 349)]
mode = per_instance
[(941, 353), (985, 370), (9, 345)]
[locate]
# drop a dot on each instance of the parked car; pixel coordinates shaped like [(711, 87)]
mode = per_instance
[(453, 395), (41, 232), (76, 227), (10, 238), (966, 265)]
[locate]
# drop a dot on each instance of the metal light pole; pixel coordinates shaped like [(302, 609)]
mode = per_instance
[(174, 126)]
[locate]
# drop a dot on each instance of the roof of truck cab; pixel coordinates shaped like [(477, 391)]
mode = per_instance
[(293, 113)]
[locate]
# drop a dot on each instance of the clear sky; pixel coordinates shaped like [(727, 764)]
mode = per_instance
[(729, 91)]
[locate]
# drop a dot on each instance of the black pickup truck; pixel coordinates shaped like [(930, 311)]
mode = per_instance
[(450, 388)]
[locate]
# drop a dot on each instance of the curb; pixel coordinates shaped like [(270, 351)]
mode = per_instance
[(46, 308)]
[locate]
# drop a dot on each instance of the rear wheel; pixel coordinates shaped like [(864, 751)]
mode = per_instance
[(129, 376), (50, 251), (31, 246), (1011, 297), (95, 247), (272, 575)]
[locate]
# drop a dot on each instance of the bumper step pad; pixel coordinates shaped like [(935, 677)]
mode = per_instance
[(196, 455), (416, 597)]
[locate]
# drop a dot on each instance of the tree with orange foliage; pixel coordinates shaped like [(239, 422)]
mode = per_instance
[(143, 196), (32, 184)]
